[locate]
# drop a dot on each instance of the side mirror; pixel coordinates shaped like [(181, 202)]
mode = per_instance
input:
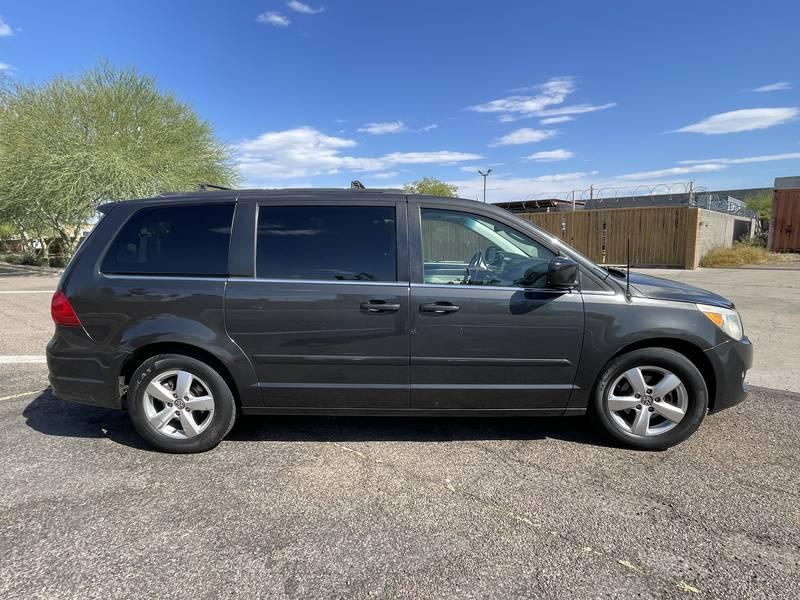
[(562, 273)]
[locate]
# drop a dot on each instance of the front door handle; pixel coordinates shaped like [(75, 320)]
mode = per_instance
[(440, 308), (379, 306)]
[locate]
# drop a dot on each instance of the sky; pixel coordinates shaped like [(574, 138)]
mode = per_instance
[(619, 95)]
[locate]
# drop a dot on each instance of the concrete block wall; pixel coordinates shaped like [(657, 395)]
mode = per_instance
[(715, 229)]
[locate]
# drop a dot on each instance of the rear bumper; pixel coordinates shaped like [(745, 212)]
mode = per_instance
[(731, 361), (83, 371)]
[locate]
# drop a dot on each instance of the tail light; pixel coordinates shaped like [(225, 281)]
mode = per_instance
[(62, 312)]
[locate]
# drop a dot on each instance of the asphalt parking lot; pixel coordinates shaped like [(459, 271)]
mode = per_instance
[(293, 507)]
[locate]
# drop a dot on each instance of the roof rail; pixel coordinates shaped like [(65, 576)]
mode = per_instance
[(204, 187)]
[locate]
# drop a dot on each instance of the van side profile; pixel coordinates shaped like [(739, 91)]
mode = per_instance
[(187, 310)]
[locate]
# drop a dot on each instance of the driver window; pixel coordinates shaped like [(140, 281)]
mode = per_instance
[(467, 249)]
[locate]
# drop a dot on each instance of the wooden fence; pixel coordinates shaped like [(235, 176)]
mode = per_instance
[(660, 236)]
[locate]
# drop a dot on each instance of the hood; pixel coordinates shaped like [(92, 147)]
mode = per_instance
[(659, 288)]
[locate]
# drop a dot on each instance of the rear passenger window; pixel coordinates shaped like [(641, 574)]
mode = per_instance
[(173, 241), (344, 243)]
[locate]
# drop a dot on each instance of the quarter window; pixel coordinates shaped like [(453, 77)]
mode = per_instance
[(173, 241), (340, 243), (468, 249)]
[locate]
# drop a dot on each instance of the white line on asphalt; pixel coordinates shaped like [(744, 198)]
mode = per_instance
[(19, 395), (23, 360), (26, 292)]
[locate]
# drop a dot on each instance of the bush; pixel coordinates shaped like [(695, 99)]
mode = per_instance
[(737, 255), (58, 262)]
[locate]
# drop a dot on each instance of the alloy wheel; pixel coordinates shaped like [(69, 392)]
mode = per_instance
[(647, 401), (178, 404)]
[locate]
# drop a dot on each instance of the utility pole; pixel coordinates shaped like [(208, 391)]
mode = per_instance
[(691, 193), (484, 175)]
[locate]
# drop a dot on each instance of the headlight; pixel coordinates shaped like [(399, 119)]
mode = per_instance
[(726, 319)]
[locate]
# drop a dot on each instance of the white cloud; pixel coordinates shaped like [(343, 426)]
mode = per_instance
[(429, 127), (550, 94), (470, 168), (385, 175), (550, 155), (561, 177), (273, 18), (306, 152), (742, 120), (305, 9), (774, 87), (384, 127), (5, 67), (5, 28), (554, 120), (523, 136), (672, 171), (746, 159)]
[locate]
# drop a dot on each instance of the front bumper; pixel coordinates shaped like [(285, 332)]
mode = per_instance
[(82, 370), (731, 361)]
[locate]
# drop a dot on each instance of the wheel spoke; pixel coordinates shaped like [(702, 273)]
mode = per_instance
[(668, 383), (617, 403), (641, 422), (669, 411), (200, 403), (161, 418), (159, 392), (183, 383), (190, 427), (636, 378)]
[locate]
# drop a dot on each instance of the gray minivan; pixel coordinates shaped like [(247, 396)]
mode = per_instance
[(187, 310)]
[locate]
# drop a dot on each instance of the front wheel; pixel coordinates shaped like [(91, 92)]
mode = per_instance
[(652, 398), (180, 404)]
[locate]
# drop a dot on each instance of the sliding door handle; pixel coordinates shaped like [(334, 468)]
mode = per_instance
[(379, 306), (440, 308)]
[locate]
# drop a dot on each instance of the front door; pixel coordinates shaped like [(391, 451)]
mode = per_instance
[(325, 320), (486, 331)]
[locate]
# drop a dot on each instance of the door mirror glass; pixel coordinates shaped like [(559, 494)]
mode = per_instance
[(562, 273)]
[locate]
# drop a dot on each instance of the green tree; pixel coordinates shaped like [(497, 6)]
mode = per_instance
[(68, 145), (761, 203), (431, 187)]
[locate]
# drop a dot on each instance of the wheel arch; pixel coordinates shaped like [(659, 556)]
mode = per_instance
[(148, 351), (687, 349)]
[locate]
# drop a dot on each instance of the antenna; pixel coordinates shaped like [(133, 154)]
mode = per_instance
[(628, 275)]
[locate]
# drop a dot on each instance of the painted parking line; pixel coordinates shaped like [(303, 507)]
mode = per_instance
[(26, 292), (22, 359), (22, 395)]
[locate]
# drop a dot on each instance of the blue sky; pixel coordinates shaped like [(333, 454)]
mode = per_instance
[(553, 96)]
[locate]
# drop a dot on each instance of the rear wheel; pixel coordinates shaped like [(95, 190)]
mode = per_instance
[(652, 398), (180, 404)]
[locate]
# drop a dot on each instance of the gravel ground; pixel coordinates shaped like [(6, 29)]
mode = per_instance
[(294, 507)]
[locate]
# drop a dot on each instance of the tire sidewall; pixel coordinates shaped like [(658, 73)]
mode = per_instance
[(224, 405), (688, 373)]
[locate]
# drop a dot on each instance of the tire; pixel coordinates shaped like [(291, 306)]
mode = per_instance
[(194, 423), (648, 421)]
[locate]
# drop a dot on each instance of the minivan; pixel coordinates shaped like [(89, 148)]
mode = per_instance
[(190, 310)]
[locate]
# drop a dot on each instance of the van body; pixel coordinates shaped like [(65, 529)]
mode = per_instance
[(186, 310)]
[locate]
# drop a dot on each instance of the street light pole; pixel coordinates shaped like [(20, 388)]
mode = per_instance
[(484, 175)]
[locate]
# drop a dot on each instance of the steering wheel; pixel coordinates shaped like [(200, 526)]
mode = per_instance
[(494, 256)]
